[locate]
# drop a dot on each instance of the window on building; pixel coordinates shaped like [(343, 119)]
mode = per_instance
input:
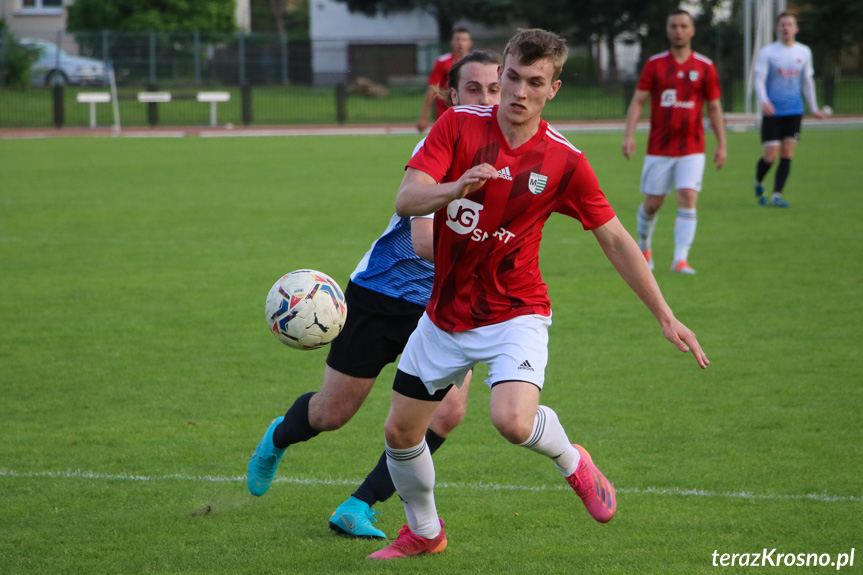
[(42, 4)]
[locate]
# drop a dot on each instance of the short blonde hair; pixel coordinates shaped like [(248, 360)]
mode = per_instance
[(532, 44)]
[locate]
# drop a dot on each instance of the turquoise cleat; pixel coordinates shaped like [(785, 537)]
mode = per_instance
[(264, 462), (759, 193), (354, 518), (776, 203)]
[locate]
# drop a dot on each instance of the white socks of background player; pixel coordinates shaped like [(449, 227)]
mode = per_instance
[(644, 229), (549, 439), (412, 472), (684, 233)]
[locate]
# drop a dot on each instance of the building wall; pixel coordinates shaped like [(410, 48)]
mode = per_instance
[(333, 28), (41, 23)]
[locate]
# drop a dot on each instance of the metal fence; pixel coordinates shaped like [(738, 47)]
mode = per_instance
[(268, 80)]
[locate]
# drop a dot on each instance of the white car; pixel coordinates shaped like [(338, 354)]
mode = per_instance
[(56, 66)]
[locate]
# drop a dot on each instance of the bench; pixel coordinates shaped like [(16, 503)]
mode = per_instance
[(212, 98), (93, 98)]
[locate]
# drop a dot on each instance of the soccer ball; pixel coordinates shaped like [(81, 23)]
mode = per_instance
[(306, 309)]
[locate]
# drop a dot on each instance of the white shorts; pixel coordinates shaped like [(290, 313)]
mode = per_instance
[(513, 350), (663, 175)]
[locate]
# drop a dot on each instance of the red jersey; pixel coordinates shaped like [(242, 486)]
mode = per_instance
[(677, 96), (439, 78), (486, 245)]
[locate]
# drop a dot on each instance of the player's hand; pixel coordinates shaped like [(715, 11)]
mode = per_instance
[(768, 109), (819, 114), (628, 147), (422, 125), (474, 179), (719, 157), (685, 340)]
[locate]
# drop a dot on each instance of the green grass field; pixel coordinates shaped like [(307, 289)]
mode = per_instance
[(137, 373)]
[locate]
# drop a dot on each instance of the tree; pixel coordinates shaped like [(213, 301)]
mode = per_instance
[(828, 26), (446, 12), (289, 17), (15, 68), (591, 21), (145, 15)]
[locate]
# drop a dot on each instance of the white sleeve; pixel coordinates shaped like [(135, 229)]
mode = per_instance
[(414, 153), (808, 84), (761, 86), (761, 68)]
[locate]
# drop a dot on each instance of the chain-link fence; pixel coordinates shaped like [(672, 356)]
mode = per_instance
[(188, 79)]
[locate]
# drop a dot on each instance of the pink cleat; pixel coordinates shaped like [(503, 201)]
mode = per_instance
[(408, 545), (594, 489)]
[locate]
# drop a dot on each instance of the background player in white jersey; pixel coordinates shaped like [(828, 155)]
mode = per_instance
[(782, 71), (385, 297), (495, 175)]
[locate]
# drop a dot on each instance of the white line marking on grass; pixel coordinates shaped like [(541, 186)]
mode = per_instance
[(673, 492)]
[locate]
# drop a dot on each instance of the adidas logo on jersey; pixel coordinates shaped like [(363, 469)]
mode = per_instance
[(526, 366), (504, 173)]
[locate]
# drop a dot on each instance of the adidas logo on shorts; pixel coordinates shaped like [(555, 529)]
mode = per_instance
[(526, 366)]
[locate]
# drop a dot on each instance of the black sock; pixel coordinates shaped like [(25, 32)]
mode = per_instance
[(782, 172), (295, 427), (762, 169), (378, 485)]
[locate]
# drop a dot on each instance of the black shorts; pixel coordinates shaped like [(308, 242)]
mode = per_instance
[(778, 128), (375, 332)]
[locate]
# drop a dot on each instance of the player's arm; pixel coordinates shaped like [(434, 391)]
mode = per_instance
[(624, 254), (422, 237), (714, 112), (419, 194), (633, 114), (423, 122), (761, 67), (808, 86)]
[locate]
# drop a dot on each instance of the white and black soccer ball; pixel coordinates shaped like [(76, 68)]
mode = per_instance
[(306, 309)]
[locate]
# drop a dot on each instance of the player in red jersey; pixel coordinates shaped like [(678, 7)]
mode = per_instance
[(438, 81), (678, 82), (493, 176)]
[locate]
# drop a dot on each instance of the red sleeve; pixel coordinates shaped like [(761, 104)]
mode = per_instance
[(439, 74), (645, 81), (712, 90), (436, 155), (584, 199)]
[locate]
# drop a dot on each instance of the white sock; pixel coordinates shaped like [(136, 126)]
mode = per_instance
[(549, 439), (644, 229), (412, 472), (684, 233)]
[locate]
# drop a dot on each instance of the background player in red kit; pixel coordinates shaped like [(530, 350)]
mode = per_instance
[(438, 81), (493, 176), (678, 82)]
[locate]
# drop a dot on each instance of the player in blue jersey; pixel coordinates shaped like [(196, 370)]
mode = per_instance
[(386, 296), (783, 69)]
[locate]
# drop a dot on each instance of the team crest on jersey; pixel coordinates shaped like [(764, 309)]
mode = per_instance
[(693, 75), (537, 182)]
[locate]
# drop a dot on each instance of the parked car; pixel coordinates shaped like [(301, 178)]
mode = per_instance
[(56, 66)]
